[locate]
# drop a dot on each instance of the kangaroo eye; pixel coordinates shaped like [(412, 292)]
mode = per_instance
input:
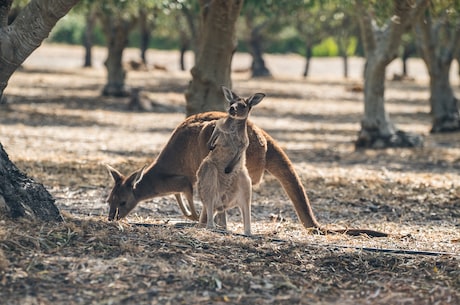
[(123, 203)]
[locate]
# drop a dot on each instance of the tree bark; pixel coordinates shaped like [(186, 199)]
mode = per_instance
[(26, 33), (116, 30), (438, 55), (213, 67), (21, 196), (381, 47)]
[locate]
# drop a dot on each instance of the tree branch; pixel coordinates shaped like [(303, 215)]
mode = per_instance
[(26, 33)]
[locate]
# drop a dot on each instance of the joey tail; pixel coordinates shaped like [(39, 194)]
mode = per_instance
[(279, 165)]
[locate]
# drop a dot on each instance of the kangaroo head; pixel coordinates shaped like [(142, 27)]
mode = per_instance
[(239, 107), (122, 198)]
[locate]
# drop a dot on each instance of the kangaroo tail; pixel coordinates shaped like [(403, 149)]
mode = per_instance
[(279, 165)]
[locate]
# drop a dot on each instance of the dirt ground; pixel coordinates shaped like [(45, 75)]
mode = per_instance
[(60, 131)]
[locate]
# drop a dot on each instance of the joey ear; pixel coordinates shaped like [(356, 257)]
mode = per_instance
[(229, 95), (116, 175), (255, 99), (138, 177)]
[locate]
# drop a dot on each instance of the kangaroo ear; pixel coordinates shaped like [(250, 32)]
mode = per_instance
[(138, 178), (116, 175), (230, 96), (255, 99)]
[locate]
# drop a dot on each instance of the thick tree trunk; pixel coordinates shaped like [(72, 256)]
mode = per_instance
[(213, 67), (88, 37), (377, 130), (438, 55), (444, 110), (19, 39), (381, 46), (117, 31), (21, 196)]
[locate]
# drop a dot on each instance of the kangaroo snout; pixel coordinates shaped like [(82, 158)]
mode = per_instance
[(113, 214), (233, 110)]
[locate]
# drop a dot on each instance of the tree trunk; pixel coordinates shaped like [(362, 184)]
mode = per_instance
[(183, 49), (26, 33), (88, 37), (438, 55), (444, 110), (213, 67), (21, 196), (117, 31), (193, 41), (145, 34), (343, 53), (258, 67), (381, 46), (308, 56), (345, 65)]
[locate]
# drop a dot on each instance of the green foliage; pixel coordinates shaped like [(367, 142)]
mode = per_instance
[(352, 46), (69, 29), (328, 47)]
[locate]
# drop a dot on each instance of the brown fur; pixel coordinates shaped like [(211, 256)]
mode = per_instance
[(174, 171), (223, 179)]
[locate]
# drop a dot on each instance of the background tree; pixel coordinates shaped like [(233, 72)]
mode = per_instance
[(310, 21), (189, 29), (88, 36), (213, 64), (256, 22), (344, 29), (117, 19), (408, 49), (438, 34), (381, 39), (19, 195), (147, 19)]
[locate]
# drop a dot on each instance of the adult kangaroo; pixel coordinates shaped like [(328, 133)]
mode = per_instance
[(174, 172)]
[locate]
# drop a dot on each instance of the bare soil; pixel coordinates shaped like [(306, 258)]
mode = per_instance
[(60, 131)]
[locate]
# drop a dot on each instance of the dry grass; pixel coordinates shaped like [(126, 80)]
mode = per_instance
[(61, 132)]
